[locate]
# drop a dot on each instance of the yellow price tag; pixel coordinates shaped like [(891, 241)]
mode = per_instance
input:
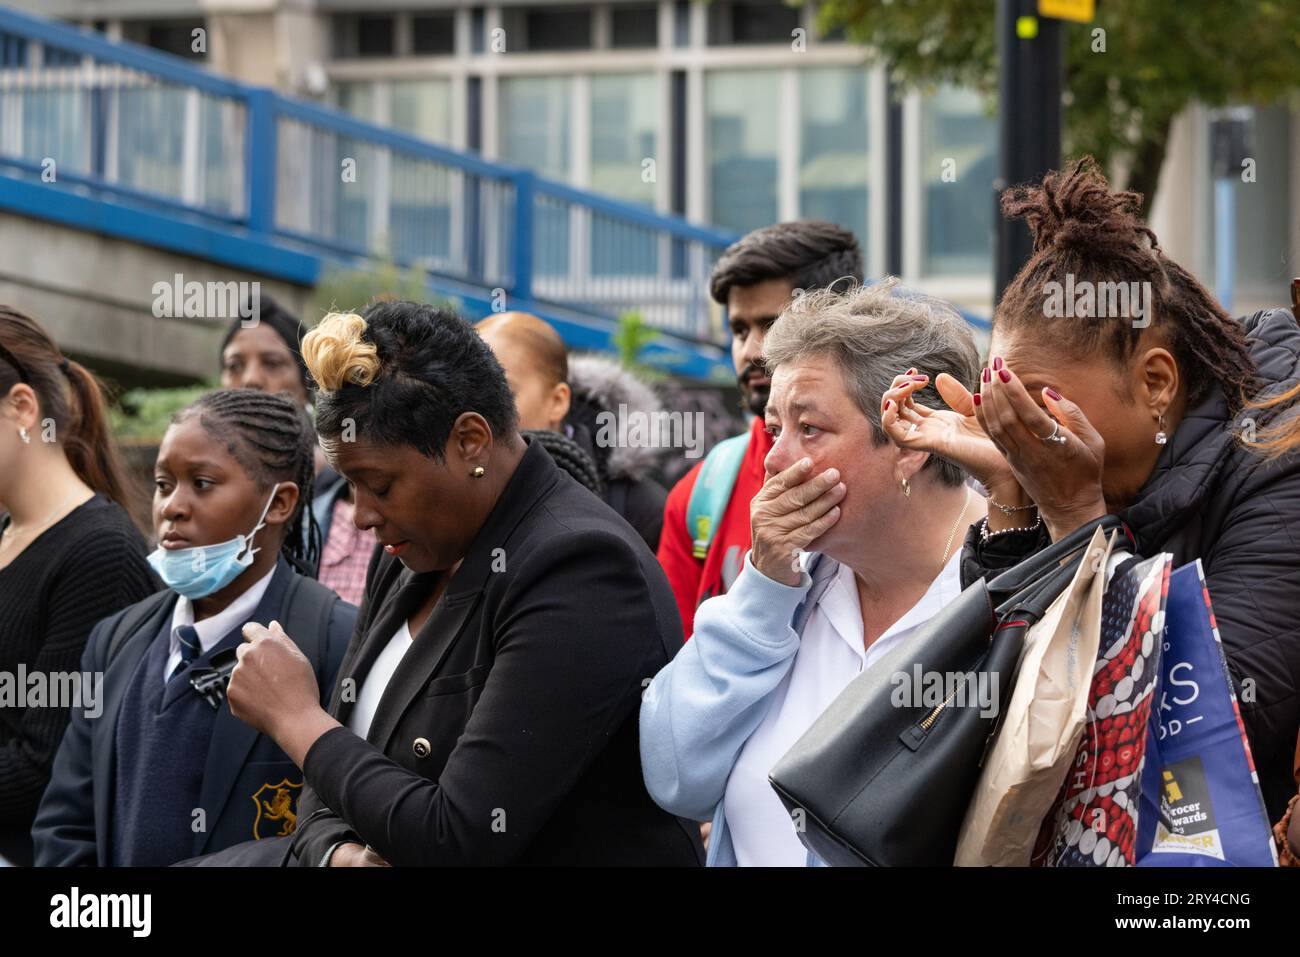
[(1080, 11)]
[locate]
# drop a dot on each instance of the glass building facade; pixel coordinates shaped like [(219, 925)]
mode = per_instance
[(736, 113)]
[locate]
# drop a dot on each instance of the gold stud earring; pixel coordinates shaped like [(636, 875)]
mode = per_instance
[(478, 472), (907, 488)]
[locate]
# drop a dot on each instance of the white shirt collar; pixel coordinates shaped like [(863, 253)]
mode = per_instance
[(843, 610), (212, 630)]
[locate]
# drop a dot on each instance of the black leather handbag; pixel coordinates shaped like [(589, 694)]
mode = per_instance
[(877, 782)]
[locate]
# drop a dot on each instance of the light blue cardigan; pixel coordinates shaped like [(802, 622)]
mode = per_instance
[(699, 711)]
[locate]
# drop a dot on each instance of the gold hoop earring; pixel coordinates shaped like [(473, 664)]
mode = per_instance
[(907, 488), (478, 472)]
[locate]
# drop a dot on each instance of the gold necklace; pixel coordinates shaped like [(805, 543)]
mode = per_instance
[(965, 504), (12, 532)]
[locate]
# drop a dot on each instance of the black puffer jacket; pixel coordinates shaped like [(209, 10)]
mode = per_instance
[(1211, 498)]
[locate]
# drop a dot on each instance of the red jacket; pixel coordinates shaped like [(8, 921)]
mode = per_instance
[(694, 580)]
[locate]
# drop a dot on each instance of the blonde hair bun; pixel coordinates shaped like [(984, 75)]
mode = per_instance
[(336, 354)]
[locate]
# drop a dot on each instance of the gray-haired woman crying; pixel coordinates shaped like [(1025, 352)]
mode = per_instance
[(884, 528)]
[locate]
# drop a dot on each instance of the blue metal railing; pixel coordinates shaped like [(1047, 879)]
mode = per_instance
[(144, 128)]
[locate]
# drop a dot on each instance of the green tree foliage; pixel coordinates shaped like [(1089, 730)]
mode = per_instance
[(145, 413), (630, 339), (1124, 85), (343, 289)]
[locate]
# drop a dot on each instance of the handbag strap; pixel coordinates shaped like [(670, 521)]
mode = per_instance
[(1032, 570), (1032, 602)]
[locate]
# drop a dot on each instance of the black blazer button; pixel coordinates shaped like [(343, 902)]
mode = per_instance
[(421, 747)]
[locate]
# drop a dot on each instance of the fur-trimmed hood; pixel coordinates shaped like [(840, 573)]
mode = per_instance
[(601, 384)]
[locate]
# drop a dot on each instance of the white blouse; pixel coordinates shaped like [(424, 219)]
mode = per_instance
[(830, 655), (376, 681)]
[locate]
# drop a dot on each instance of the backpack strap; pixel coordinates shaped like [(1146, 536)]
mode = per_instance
[(130, 622), (307, 607), (712, 492)]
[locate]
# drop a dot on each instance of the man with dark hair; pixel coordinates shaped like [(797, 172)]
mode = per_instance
[(706, 520)]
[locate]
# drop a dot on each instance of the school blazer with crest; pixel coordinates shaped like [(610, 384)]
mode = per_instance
[(508, 732), (245, 770)]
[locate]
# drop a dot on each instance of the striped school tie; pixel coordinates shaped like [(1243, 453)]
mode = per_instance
[(190, 648)]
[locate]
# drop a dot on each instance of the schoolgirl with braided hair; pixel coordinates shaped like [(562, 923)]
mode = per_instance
[(232, 480), (273, 439)]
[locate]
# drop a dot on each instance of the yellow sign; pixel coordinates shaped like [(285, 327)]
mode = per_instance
[(1080, 11)]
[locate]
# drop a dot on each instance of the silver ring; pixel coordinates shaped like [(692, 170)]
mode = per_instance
[(1059, 439)]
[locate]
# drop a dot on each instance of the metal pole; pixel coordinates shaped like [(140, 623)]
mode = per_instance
[(1030, 79)]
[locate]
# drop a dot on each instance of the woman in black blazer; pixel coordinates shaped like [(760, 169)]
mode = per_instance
[(505, 730)]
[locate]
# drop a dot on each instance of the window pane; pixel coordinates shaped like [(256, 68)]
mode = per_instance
[(751, 21), (174, 38), (957, 208), (534, 123), (634, 27), (624, 122), (477, 41), (1265, 260), (743, 115), (545, 28), (422, 108), (432, 34), (681, 23), (374, 36), (356, 98), (833, 169), (534, 132)]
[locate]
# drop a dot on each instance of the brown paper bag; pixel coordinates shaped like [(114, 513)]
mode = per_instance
[(1044, 721)]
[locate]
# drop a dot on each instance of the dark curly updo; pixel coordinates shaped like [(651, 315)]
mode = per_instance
[(1081, 228)]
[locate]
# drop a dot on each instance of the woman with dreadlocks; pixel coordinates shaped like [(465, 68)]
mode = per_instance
[(1083, 412), (233, 476)]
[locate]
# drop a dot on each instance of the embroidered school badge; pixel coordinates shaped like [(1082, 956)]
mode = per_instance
[(276, 804)]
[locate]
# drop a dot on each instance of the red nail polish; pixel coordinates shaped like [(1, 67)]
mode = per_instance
[(888, 403), (997, 363), (984, 376), (977, 399), (911, 372), (919, 378), (1004, 375), (1055, 396)]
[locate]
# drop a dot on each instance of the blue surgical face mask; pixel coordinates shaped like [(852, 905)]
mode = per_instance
[(205, 569)]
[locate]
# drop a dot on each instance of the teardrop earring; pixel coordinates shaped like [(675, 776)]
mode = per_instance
[(907, 488), (24, 435), (1161, 436)]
